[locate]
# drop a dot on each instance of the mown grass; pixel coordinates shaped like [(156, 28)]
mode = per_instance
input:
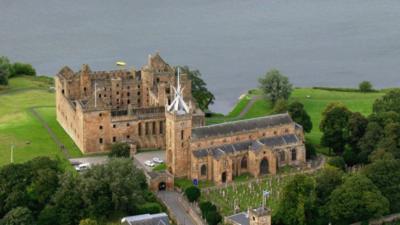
[(315, 101), (20, 128)]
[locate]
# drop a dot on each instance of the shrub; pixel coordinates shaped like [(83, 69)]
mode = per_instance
[(149, 207), (120, 150), (365, 86), (213, 218), (281, 106), (206, 207), (88, 222), (19, 69), (192, 193), (338, 162), (311, 152)]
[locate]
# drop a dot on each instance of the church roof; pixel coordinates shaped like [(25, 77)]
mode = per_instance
[(270, 142), (240, 126)]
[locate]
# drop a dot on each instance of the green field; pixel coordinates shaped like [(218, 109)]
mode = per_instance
[(314, 100), (20, 128)]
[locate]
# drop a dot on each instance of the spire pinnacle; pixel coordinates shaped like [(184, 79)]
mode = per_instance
[(178, 104)]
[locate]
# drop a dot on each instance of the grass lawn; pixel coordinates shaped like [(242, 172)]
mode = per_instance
[(314, 104), (18, 126)]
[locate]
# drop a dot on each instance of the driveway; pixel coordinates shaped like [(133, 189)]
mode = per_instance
[(144, 156), (170, 199), (93, 160)]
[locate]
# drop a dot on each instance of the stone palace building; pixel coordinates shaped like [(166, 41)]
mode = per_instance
[(154, 108)]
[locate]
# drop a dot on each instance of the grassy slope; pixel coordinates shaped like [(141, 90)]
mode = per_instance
[(315, 104), (19, 127)]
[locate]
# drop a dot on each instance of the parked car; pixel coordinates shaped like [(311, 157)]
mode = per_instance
[(149, 163), (82, 167), (157, 160)]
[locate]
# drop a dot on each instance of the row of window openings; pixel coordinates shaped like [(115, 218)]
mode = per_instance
[(127, 94), (114, 139), (147, 128)]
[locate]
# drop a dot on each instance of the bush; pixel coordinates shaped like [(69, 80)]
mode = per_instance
[(311, 152), (149, 207), (281, 106), (365, 86), (88, 222), (206, 207), (192, 193), (4, 70), (19, 69), (213, 218), (120, 150), (338, 162)]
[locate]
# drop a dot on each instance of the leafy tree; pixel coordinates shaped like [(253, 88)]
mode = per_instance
[(88, 222), (369, 141), (213, 217), (365, 86), (311, 152), (385, 174), (388, 102), (300, 116), (326, 181), (334, 127), (281, 106), (357, 126), (337, 162), (297, 204), (48, 216), (19, 69), (192, 193), (357, 199), (391, 140), (67, 200), (4, 70), (350, 157), (275, 86), (18, 216), (120, 150), (206, 207), (200, 93)]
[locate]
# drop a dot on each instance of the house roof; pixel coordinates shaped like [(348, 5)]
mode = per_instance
[(240, 126), (239, 219)]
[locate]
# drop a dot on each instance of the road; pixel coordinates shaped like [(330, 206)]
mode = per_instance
[(171, 200)]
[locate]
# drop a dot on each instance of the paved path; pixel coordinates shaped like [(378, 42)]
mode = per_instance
[(171, 200), (249, 105), (53, 136)]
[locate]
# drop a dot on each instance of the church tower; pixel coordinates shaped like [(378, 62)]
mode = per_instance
[(178, 133)]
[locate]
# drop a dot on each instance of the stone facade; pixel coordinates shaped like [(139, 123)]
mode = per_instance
[(220, 152), (99, 108), (143, 108)]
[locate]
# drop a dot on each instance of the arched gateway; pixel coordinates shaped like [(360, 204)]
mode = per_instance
[(264, 166)]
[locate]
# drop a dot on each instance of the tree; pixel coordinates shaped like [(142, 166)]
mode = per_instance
[(334, 125), (120, 150), (281, 106), (88, 222), (350, 157), (192, 193), (369, 141), (275, 86), (365, 86), (18, 216), (4, 70), (311, 152), (337, 162), (385, 174), (297, 203), (213, 217), (326, 181), (357, 127), (357, 199), (300, 116), (200, 93), (391, 140), (388, 102), (19, 69)]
